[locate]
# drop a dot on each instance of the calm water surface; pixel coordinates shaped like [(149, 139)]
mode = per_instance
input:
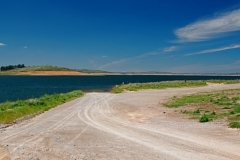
[(24, 87)]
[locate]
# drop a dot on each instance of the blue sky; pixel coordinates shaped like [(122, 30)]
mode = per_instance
[(199, 36)]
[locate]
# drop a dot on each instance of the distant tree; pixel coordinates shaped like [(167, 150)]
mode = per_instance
[(20, 66), (9, 67), (2, 68)]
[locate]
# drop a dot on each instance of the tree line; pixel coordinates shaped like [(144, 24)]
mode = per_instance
[(9, 67)]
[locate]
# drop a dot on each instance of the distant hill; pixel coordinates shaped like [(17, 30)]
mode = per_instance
[(55, 70), (52, 70), (91, 71), (40, 70)]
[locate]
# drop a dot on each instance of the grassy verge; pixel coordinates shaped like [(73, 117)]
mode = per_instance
[(167, 84), (223, 81), (156, 85), (11, 111), (209, 106)]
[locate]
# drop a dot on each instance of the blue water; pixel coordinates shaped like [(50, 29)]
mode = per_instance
[(24, 87)]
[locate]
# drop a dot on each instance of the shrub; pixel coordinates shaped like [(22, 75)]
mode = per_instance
[(204, 118), (234, 125), (232, 112), (196, 111), (213, 113)]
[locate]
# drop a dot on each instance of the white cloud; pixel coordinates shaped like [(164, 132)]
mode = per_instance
[(215, 50), (170, 49), (104, 56), (210, 28), (2, 44), (25, 47)]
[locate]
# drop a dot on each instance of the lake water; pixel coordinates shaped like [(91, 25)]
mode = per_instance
[(24, 87)]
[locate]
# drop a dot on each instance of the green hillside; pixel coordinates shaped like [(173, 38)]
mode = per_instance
[(39, 68)]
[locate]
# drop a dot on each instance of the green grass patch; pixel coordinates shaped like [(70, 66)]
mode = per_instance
[(167, 84), (196, 112), (234, 125), (210, 106), (11, 111), (156, 85), (177, 102), (223, 81)]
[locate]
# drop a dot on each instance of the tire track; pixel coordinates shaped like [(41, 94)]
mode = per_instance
[(27, 129), (175, 141), (189, 139), (50, 129), (99, 115)]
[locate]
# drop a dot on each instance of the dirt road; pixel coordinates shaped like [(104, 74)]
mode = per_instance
[(124, 126)]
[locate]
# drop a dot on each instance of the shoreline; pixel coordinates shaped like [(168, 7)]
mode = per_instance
[(60, 73)]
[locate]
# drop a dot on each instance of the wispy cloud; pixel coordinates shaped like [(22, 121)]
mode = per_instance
[(25, 47), (210, 28), (170, 49), (153, 53), (123, 60), (215, 50), (113, 63), (2, 44), (104, 56), (158, 52)]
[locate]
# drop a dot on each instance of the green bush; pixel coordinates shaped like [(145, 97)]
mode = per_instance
[(234, 125), (213, 113), (232, 112), (204, 118), (196, 111)]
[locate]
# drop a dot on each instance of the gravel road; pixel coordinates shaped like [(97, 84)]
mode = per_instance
[(131, 125)]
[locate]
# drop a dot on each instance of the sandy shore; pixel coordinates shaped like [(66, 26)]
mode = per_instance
[(131, 125)]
